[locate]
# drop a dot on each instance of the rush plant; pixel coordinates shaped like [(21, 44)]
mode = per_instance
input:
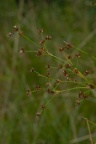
[(70, 76)]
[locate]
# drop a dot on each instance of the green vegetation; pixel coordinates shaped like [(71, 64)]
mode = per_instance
[(63, 121)]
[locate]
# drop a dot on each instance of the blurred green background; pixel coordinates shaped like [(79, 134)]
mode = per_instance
[(61, 122)]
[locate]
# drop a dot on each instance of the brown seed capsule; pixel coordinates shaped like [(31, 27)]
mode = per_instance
[(42, 42), (48, 37), (61, 49), (28, 92), (60, 66), (37, 88), (68, 46), (78, 102), (38, 114), (67, 66), (68, 78), (78, 55), (32, 69), (86, 72), (43, 106), (15, 28), (40, 30), (38, 53), (9, 34), (21, 33), (22, 51), (64, 73), (48, 67), (48, 84), (48, 74), (81, 95), (57, 81), (75, 71), (91, 86), (69, 57), (50, 91), (85, 96)]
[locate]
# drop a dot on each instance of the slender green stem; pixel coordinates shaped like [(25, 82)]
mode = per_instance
[(72, 89), (30, 40), (89, 130)]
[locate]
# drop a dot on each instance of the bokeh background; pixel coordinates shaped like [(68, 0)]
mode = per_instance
[(61, 122)]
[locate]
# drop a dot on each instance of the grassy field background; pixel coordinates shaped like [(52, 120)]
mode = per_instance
[(61, 122)]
